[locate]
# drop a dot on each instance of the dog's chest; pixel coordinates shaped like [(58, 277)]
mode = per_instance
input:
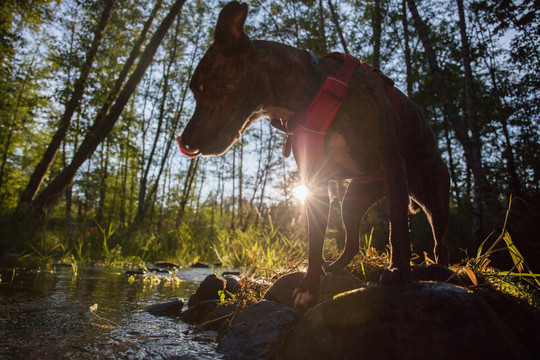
[(340, 161)]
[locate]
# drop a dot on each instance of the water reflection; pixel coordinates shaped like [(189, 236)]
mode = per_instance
[(46, 315)]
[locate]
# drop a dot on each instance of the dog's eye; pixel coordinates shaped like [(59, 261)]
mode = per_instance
[(200, 89)]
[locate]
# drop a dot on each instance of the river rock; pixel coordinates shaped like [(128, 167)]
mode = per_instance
[(172, 307), (435, 272), (196, 313), (167, 265), (258, 331), (406, 321), (208, 289), (281, 291)]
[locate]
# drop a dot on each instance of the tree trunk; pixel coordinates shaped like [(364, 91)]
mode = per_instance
[(451, 165), (47, 160), (472, 117), (233, 201), (407, 48), (188, 183), (377, 32), (322, 28), (240, 183), (335, 20), (15, 117), (472, 149), (104, 174), (142, 203), (102, 127)]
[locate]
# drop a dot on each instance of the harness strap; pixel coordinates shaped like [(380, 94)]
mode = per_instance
[(307, 138), (323, 108)]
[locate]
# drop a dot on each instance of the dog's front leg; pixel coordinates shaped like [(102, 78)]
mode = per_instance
[(317, 207)]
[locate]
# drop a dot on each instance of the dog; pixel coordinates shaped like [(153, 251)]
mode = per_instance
[(379, 141)]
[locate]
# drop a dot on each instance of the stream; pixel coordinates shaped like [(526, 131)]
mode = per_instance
[(53, 315)]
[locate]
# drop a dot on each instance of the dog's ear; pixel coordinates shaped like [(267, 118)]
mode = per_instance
[(229, 36)]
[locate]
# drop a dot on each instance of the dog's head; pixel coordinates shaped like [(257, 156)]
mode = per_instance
[(225, 85)]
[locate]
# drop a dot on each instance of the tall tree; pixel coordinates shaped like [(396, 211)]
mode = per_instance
[(376, 23), (49, 155), (472, 147), (101, 127), (335, 21)]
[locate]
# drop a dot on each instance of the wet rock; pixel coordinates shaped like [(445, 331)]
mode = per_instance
[(435, 272), (234, 273), (134, 272), (166, 264), (232, 283), (172, 307), (281, 291), (218, 317), (196, 313), (208, 289), (408, 321), (258, 332), (200, 265)]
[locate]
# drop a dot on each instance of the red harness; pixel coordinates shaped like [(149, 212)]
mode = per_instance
[(307, 140)]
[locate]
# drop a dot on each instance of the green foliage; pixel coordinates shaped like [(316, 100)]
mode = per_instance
[(258, 248)]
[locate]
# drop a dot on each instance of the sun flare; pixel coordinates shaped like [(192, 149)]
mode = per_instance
[(301, 192)]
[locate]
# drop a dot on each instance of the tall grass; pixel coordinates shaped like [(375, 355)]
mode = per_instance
[(258, 248)]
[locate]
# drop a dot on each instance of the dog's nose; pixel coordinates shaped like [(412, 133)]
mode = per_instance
[(186, 149)]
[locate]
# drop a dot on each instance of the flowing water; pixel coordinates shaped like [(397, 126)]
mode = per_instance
[(53, 315)]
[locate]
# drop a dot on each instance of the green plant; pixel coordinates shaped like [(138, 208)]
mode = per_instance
[(107, 234)]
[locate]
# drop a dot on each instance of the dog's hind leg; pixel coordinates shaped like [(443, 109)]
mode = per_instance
[(357, 200), (431, 190)]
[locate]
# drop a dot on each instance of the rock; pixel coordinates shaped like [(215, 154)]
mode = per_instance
[(208, 289), (407, 321), (522, 319), (134, 272), (200, 265), (232, 284), (281, 291), (258, 331), (218, 317), (166, 264), (235, 273), (172, 307), (435, 272), (196, 313)]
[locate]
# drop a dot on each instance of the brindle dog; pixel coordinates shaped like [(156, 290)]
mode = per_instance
[(239, 81)]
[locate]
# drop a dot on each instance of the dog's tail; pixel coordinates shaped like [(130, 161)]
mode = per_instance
[(414, 208)]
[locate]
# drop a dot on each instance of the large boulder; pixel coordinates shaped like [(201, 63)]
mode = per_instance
[(408, 321), (259, 331)]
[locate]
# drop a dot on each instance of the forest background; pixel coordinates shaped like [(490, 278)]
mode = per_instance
[(93, 94)]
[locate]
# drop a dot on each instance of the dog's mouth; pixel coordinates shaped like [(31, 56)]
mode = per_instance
[(187, 150)]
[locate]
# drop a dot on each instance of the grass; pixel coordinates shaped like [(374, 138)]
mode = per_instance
[(258, 248), (267, 247)]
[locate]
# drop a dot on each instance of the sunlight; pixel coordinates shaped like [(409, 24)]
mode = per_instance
[(301, 193)]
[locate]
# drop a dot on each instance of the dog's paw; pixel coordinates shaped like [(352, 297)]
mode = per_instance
[(303, 299), (396, 276), (306, 294)]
